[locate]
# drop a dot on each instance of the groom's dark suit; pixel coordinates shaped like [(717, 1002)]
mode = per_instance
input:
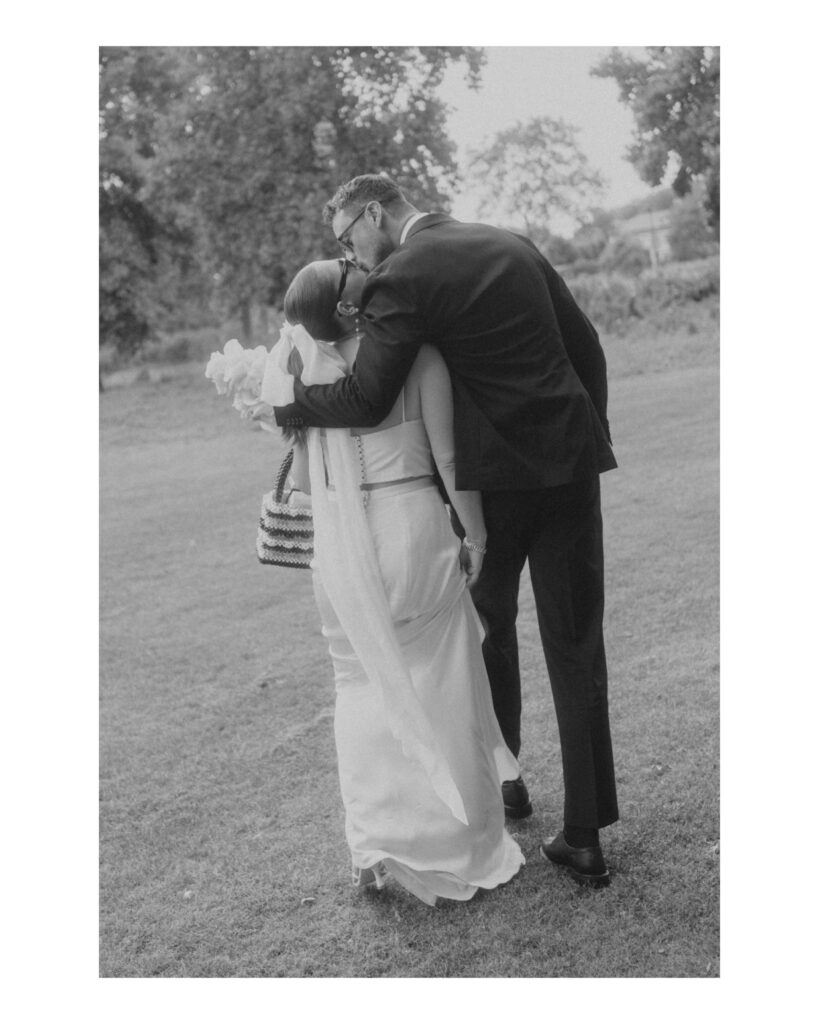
[(529, 383)]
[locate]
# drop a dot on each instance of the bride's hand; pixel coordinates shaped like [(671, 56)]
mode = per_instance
[(263, 412)]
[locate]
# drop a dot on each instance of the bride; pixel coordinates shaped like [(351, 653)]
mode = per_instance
[(421, 758)]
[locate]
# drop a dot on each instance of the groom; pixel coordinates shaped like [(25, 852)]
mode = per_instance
[(529, 383)]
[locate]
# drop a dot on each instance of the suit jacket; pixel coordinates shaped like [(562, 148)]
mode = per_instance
[(528, 372)]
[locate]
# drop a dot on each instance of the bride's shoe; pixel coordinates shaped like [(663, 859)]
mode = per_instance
[(365, 877)]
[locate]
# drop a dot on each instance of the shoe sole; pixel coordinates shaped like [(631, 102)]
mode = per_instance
[(517, 812), (593, 881)]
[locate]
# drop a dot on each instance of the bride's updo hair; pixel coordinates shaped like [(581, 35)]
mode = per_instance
[(310, 300)]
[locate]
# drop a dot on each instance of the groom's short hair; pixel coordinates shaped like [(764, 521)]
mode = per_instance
[(363, 189)]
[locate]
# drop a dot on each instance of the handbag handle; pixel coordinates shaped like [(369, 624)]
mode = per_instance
[(281, 476)]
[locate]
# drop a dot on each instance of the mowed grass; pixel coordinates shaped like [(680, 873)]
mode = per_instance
[(222, 844)]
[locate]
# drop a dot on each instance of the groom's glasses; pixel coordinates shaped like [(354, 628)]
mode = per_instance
[(345, 266), (344, 238)]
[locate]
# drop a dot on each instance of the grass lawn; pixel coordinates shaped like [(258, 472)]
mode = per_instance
[(221, 832)]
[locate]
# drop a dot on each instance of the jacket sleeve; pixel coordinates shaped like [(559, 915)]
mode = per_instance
[(393, 332)]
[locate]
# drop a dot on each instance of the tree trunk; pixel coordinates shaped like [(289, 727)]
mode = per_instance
[(264, 323), (246, 311)]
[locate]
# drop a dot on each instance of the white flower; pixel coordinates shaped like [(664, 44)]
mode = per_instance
[(238, 372), (215, 371)]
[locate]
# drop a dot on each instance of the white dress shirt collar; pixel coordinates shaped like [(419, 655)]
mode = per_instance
[(408, 225)]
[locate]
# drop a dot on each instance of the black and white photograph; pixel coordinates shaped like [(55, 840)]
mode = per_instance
[(420, 615), (409, 531), (416, 437)]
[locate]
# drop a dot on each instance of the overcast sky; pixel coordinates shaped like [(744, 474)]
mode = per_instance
[(520, 82)]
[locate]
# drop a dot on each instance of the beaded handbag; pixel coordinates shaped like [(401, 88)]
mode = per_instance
[(285, 534)]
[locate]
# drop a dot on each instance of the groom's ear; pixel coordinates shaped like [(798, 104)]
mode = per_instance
[(376, 211)]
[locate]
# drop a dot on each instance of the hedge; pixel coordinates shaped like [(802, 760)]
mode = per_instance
[(609, 300)]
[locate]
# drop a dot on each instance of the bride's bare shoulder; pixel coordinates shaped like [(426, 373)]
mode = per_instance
[(429, 360)]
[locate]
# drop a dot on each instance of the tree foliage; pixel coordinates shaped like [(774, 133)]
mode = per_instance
[(591, 238), (560, 251), (674, 96), (140, 239), (534, 170), (217, 161), (626, 256), (689, 235)]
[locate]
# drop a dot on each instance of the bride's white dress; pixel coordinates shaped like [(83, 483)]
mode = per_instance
[(420, 754)]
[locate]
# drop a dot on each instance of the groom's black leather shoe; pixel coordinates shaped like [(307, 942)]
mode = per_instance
[(585, 863), (516, 801)]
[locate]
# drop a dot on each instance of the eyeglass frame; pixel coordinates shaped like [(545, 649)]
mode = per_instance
[(345, 245), (342, 283)]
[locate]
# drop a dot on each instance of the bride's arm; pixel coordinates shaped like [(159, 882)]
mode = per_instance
[(437, 415)]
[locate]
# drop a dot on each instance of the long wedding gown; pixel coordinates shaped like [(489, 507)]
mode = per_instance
[(420, 754)]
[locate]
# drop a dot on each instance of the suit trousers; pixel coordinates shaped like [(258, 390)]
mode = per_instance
[(560, 531)]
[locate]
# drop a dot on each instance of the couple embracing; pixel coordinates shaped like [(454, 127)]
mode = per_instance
[(443, 361)]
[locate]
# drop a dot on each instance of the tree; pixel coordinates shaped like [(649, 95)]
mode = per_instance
[(534, 170), (146, 267), (592, 237), (626, 256), (674, 96), (689, 235), (268, 133), (216, 162), (560, 251)]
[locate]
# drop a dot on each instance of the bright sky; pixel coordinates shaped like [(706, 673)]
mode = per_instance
[(520, 82)]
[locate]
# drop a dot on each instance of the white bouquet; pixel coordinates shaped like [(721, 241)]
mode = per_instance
[(238, 372)]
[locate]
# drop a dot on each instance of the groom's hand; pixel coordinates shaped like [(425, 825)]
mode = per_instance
[(471, 563)]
